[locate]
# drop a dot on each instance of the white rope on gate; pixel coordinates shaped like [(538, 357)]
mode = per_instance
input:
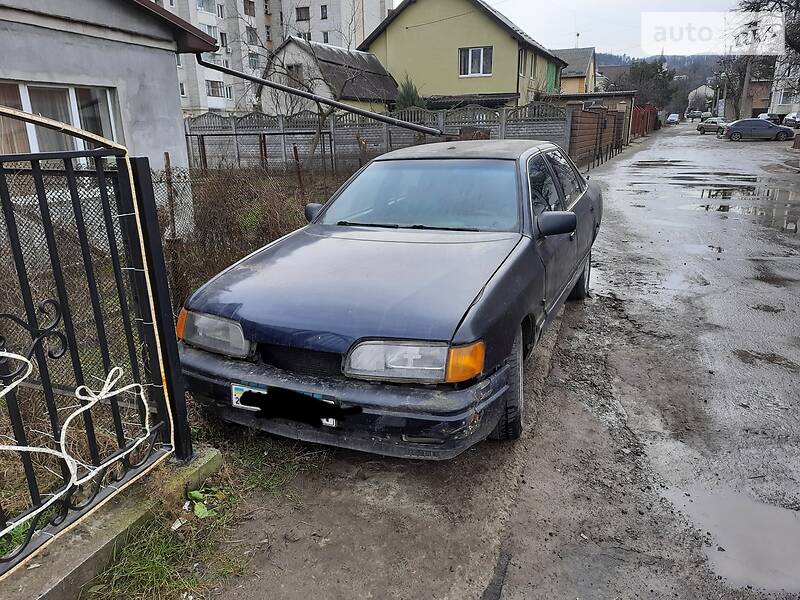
[(91, 398)]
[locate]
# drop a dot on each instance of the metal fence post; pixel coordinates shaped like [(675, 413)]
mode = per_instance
[(385, 137), (282, 128), (236, 142), (333, 141), (165, 324)]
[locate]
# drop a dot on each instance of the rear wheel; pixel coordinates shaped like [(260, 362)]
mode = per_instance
[(782, 136), (509, 427), (736, 136), (702, 131), (581, 289)]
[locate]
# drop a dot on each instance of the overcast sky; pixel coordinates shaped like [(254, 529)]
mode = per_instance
[(608, 25)]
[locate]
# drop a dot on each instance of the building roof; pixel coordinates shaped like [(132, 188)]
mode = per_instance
[(487, 100), (188, 38), (578, 61), (351, 74), (614, 72), (502, 149), (481, 5)]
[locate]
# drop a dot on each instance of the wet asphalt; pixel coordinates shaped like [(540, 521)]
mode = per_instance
[(662, 460)]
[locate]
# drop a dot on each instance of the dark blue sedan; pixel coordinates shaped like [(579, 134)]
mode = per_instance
[(398, 319)]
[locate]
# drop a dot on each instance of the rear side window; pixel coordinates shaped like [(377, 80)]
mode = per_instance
[(570, 184), (544, 194)]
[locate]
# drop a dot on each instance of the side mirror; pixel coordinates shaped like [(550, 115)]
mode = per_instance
[(312, 210), (556, 222)]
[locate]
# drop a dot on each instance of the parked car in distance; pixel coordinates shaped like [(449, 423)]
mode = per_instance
[(705, 115), (714, 125), (792, 120), (771, 117), (757, 129), (673, 119), (398, 319), (693, 114)]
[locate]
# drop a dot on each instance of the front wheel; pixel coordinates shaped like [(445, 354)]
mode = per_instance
[(581, 289), (782, 136), (510, 425), (736, 136), (702, 131)]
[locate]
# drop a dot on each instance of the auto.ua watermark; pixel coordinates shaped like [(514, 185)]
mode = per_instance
[(738, 33)]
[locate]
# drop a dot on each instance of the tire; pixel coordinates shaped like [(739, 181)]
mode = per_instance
[(581, 289), (736, 136), (702, 131), (782, 136), (509, 427)]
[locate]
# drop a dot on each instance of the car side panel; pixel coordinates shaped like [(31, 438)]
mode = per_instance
[(514, 292)]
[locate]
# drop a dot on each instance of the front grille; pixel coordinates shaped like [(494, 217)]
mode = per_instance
[(302, 361)]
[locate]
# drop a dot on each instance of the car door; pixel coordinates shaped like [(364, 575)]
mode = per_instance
[(762, 130), (573, 191), (555, 250)]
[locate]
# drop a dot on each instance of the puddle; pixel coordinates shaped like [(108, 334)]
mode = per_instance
[(767, 308), (754, 544)]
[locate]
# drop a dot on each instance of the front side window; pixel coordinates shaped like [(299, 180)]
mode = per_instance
[(543, 191), (570, 184), (453, 194), (303, 13), (475, 61)]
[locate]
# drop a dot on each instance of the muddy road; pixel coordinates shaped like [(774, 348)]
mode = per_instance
[(663, 461)]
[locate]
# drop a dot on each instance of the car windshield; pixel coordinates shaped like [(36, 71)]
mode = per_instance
[(467, 195)]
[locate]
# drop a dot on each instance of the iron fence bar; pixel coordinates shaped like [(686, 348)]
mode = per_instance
[(61, 155), (165, 324), (130, 237), (320, 99), (94, 296), (118, 276), (11, 400), (63, 300)]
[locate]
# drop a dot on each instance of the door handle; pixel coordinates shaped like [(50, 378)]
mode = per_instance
[(572, 237)]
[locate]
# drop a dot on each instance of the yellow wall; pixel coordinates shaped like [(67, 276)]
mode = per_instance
[(429, 54), (573, 85)]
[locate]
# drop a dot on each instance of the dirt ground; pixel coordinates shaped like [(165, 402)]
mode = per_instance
[(664, 461)]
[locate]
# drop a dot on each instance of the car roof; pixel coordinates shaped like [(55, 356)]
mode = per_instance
[(503, 149)]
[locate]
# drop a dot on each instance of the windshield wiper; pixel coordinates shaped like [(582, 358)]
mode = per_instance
[(442, 228), (354, 224)]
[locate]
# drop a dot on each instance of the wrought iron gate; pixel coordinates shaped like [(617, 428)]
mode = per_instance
[(89, 371)]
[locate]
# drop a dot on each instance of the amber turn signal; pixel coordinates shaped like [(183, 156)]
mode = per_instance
[(181, 323), (465, 362)]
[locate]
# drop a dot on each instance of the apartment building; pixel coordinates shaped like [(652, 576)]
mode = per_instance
[(344, 23), (241, 28), (248, 30)]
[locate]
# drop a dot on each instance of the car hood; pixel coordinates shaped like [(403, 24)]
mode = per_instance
[(323, 287)]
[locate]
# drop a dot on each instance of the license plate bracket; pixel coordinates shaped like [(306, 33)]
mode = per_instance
[(238, 390)]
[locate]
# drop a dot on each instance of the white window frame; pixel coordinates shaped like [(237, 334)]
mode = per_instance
[(182, 89), (74, 117), (229, 92), (323, 12), (325, 37), (221, 11), (471, 49)]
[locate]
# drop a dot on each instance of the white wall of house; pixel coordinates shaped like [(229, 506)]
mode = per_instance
[(279, 103), (347, 22), (785, 92), (50, 58)]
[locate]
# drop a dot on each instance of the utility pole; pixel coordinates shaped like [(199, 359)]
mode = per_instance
[(745, 88)]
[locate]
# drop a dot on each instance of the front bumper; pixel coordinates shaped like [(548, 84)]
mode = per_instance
[(407, 421)]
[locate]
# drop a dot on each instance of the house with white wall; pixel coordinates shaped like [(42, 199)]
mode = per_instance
[(106, 66)]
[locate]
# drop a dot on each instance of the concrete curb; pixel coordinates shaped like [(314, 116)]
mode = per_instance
[(85, 551)]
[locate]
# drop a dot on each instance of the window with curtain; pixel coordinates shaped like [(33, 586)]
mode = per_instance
[(93, 112), (52, 102), (13, 135)]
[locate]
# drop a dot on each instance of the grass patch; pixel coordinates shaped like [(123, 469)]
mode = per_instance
[(157, 562)]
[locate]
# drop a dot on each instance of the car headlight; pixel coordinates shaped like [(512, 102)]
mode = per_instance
[(214, 334), (415, 361)]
